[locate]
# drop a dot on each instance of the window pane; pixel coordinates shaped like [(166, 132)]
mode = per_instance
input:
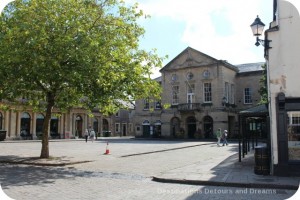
[(232, 99), (146, 104), (247, 96), (227, 92), (207, 92), (117, 127), (157, 105), (175, 94), (293, 130), (190, 88)]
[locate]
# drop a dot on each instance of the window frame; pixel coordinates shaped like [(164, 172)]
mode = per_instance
[(117, 127), (232, 96), (207, 95), (175, 95), (248, 96), (146, 104), (226, 87), (157, 103)]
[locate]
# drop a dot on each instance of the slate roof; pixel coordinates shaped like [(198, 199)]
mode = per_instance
[(260, 109), (250, 67)]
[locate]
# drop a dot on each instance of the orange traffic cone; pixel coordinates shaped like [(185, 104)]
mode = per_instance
[(107, 149)]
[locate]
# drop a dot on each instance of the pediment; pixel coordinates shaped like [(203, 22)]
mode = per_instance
[(189, 58)]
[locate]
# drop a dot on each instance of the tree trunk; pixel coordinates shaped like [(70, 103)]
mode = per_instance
[(46, 127)]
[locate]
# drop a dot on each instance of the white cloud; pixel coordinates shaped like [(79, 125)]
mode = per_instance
[(201, 32)]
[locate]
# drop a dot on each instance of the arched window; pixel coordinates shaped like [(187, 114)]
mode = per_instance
[(39, 124), (54, 125), (78, 126), (25, 123), (95, 125), (146, 122)]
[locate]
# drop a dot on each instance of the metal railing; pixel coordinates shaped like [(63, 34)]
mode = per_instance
[(189, 107)]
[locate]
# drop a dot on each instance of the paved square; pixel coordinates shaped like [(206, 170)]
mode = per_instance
[(126, 173)]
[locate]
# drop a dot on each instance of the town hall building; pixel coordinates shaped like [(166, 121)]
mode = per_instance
[(199, 95)]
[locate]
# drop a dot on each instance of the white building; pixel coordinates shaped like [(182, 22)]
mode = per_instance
[(283, 81)]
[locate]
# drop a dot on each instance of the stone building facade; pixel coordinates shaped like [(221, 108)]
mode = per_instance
[(201, 93), (122, 122), (27, 124)]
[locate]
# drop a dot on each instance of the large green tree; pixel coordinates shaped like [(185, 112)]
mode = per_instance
[(66, 53)]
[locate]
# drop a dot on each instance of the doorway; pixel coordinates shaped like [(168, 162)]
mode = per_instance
[(25, 124), (146, 128), (78, 126), (124, 129), (208, 127), (175, 127), (191, 127)]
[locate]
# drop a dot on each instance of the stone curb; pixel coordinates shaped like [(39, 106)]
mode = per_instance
[(225, 184)]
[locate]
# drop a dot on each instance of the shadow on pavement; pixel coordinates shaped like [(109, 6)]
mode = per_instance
[(19, 175)]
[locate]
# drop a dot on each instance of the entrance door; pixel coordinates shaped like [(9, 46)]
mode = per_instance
[(124, 129), (175, 126), (78, 126), (191, 127), (25, 123), (96, 125), (54, 125), (39, 125), (105, 131), (208, 127), (157, 129), (146, 128)]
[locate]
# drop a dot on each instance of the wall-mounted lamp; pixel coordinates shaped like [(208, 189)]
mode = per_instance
[(257, 28)]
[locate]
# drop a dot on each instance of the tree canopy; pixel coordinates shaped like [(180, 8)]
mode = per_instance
[(74, 53)]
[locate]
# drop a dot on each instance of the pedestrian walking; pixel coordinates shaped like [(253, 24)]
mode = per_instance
[(92, 135), (86, 134), (218, 134), (224, 137)]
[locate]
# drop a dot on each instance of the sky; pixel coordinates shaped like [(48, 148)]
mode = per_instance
[(218, 28)]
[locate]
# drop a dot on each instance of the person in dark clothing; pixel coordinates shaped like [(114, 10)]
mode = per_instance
[(224, 137), (86, 135)]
